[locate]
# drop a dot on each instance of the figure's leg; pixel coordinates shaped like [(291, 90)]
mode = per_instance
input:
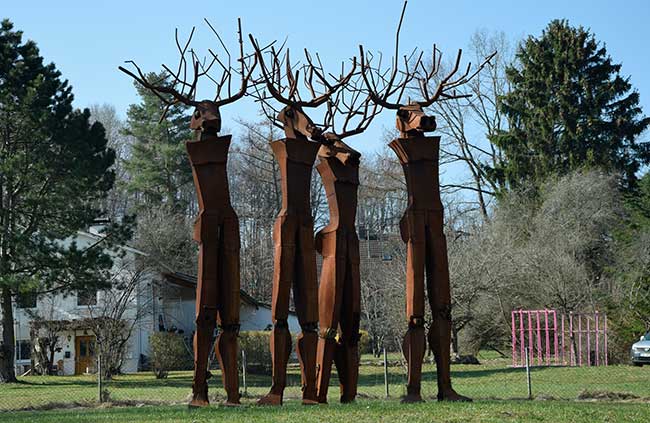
[(414, 344), (440, 301), (229, 298), (305, 290), (329, 306), (206, 311), (283, 273), (347, 354)]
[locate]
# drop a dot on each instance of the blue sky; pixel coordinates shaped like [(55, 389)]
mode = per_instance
[(88, 40)]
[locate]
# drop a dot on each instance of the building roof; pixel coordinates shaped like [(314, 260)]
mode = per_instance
[(189, 281)]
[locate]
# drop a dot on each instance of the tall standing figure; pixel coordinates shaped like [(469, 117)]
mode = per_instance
[(339, 293), (421, 227), (293, 232), (216, 228)]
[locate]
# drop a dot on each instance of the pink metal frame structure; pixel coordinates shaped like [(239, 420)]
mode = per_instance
[(576, 339)]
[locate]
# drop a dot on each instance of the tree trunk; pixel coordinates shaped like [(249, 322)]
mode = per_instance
[(7, 348)]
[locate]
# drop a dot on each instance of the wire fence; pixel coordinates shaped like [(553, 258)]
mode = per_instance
[(493, 378)]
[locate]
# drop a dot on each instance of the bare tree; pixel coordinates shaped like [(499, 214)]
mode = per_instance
[(166, 238), (469, 121), (118, 201), (118, 312)]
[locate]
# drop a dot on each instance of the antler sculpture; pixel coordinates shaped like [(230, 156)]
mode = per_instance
[(411, 120), (217, 227), (421, 226), (295, 257)]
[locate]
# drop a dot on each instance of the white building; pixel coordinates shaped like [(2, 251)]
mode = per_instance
[(155, 302)]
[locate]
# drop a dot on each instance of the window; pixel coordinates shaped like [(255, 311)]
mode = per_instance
[(26, 300), (23, 349), (87, 297)]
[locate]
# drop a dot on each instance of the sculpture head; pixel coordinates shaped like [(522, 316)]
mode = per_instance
[(411, 120), (206, 117), (333, 146), (297, 124)]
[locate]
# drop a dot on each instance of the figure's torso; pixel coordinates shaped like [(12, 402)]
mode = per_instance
[(295, 158), (209, 160), (419, 159)]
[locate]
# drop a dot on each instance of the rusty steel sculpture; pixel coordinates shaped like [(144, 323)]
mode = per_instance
[(339, 296), (421, 226), (217, 228), (293, 232)]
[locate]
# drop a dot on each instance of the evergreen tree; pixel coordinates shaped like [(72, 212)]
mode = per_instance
[(160, 173), (569, 107), (55, 168)]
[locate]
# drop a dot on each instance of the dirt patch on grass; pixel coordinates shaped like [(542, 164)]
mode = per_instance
[(587, 395)]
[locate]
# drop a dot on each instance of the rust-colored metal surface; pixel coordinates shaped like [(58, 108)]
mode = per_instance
[(294, 267), (340, 285), (295, 256), (339, 295), (421, 226), (217, 298), (216, 228)]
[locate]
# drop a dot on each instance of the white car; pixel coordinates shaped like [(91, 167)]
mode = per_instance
[(641, 351)]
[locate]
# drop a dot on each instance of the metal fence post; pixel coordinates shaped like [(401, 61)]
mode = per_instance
[(243, 368), (100, 397), (386, 372), (530, 389)]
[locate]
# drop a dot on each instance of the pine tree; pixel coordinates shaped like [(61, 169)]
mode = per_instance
[(160, 173), (569, 107), (55, 168)]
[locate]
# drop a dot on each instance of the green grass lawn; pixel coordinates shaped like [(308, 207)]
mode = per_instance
[(363, 411), (490, 381)]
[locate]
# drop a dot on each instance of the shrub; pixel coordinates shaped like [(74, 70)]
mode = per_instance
[(258, 352), (364, 343), (168, 352)]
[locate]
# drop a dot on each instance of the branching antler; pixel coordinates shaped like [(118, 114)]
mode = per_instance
[(381, 88), (284, 80), (352, 104), (181, 85)]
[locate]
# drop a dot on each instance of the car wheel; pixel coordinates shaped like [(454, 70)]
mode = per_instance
[(638, 364)]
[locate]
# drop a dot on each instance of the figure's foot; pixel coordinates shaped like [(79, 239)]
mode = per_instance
[(411, 398), (452, 396), (270, 399), (346, 399), (309, 397), (233, 400), (198, 402), (229, 403), (322, 400)]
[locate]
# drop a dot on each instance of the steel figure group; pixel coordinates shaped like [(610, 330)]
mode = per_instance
[(329, 312)]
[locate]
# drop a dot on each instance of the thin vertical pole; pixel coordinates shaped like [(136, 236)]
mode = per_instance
[(521, 332), (572, 353), (555, 351), (605, 339), (588, 342), (528, 385), (563, 340), (597, 347), (243, 371), (580, 340), (530, 336), (386, 372), (514, 339), (539, 340), (100, 398), (547, 338)]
